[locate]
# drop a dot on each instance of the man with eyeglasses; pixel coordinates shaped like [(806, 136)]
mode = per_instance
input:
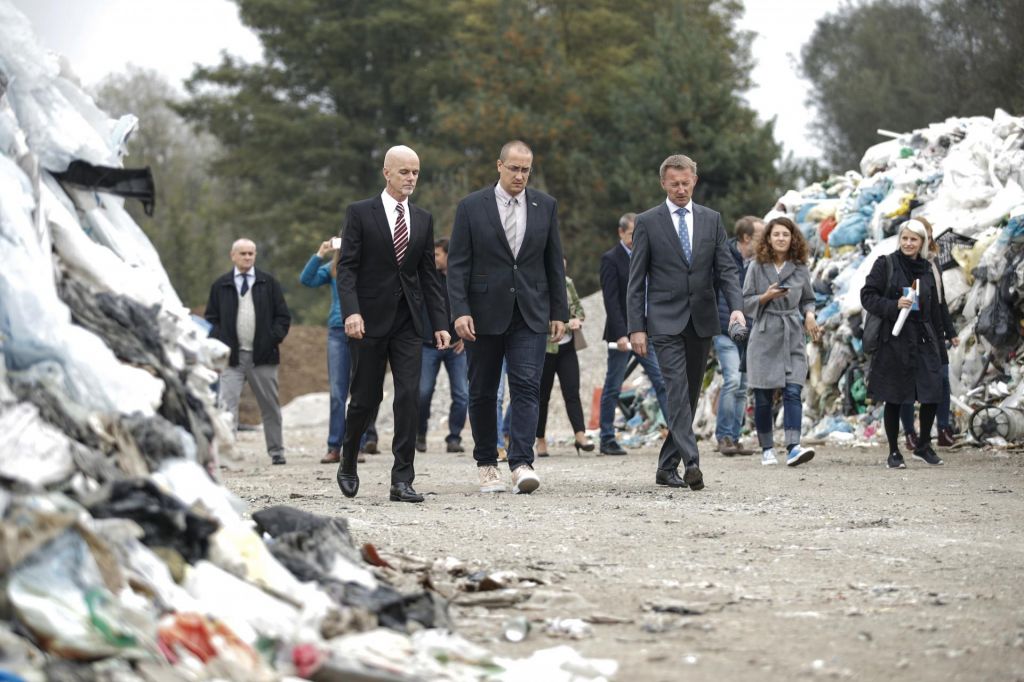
[(506, 284)]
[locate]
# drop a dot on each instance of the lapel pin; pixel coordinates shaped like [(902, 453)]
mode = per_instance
[(533, 203)]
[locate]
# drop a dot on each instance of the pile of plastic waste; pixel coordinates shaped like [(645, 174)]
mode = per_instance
[(966, 177), (121, 557)]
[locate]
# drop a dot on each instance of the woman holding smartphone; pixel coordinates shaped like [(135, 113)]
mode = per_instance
[(777, 296)]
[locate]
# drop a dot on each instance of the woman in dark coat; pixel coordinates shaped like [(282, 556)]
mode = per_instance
[(906, 368)]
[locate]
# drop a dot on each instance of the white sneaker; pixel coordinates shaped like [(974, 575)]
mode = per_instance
[(768, 457), (490, 479), (799, 455), (524, 480)]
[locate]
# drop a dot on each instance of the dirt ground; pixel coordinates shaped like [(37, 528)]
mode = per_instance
[(836, 569)]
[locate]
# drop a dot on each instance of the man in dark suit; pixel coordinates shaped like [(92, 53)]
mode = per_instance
[(614, 278), (680, 255), (506, 284), (385, 274), (249, 316)]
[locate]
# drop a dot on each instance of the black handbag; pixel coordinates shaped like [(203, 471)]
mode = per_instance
[(872, 335)]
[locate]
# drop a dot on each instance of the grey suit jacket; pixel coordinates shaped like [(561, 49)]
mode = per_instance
[(665, 291)]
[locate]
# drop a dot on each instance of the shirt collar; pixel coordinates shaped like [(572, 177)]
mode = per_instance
[(672, 208), (252, 271), (390, 203), (503, 196), (629, 251)]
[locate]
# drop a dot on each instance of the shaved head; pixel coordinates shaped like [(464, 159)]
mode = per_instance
[(401, 171)]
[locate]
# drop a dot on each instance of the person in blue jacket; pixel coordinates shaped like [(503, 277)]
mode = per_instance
[(318, 273)]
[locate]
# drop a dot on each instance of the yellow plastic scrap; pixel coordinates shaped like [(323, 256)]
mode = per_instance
[(968, 257), (904, 207)]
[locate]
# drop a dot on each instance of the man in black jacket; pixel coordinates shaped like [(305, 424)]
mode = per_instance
[(386, 274), (506, 284), (249, 316), (614, 277)]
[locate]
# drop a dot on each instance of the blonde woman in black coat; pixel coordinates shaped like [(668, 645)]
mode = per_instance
[(906, 368)]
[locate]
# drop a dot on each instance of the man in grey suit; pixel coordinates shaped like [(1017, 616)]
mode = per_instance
[(680, 255), (506, 284)]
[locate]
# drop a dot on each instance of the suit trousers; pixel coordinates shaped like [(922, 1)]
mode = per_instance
[(524, 350), (370, 357), (263, 382), (683, 359)]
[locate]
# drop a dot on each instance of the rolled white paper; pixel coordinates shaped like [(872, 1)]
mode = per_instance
[(898, 327)]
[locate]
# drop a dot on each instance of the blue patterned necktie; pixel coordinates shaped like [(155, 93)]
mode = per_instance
[(245, 284), (684, 233)]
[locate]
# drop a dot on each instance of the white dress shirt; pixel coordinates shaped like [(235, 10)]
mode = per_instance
[(503, 198), (672, 208), (239, 276), (390, 210)]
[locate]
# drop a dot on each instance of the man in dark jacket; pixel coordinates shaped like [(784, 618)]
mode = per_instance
[(732, 401), (614, 277), (249, 316), (454, 360)]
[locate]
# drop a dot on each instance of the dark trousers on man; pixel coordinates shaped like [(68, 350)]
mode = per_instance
[(524, 349), (370, 357), (683, 359)]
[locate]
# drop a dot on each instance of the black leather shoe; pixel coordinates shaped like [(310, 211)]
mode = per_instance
[(348, 482), (612, 448), (421, 443), (670, 478), (693, 478), (454, 446), (403, 492)]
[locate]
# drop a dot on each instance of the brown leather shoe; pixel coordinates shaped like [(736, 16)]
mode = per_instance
[(333, 456), (946, 438)]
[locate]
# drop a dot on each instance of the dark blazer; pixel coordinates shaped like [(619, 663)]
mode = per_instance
[(723, 307), (614, 278), (665, 291), (486, 281), (272, 316), (370, 280)]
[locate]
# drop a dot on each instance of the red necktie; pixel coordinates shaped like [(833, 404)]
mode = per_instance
[(401, 234)]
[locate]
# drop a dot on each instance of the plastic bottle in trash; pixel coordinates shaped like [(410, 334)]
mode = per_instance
[(516, 629)]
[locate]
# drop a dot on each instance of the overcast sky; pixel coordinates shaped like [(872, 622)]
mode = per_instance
[(104, 36)]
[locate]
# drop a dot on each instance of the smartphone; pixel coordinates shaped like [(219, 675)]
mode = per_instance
[(335, 243)]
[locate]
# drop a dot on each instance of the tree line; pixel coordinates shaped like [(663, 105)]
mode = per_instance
[(602, 90)]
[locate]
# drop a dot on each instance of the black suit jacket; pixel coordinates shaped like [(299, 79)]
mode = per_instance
[(272, 317), (486, 281), (614, 278), (370, 280)]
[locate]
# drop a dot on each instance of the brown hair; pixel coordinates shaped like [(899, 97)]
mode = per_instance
[(745, 226), (933, 248), (797, 243)]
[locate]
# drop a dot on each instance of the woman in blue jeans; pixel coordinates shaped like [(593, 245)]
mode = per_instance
[(317, 273), (777, 296)]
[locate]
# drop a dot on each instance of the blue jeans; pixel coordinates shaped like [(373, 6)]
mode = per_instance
[(941, 415), (339, 373), (792, 414), (613, 378), (339, 376), (455, 365), (523, 350), (732, 401)]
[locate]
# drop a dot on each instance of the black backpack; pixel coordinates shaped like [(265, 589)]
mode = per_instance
[(872, 335)]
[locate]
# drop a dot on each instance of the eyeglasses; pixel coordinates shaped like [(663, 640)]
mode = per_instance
[(516, 170)]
